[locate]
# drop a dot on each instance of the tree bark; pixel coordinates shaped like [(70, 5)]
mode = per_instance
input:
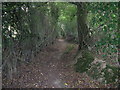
[(82, 26)]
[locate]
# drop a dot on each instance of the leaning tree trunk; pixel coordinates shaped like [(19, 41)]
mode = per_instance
[(82, 26)]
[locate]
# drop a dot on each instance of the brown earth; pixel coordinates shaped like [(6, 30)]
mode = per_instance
[(51, 68)]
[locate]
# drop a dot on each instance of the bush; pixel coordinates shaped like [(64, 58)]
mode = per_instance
[(111, 74), (97, 69), (83, 63), (103, 72)]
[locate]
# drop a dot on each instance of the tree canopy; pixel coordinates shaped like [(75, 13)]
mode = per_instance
[(28, 27)]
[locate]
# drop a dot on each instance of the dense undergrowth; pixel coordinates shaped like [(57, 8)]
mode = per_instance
[(97, 69), (83, 63), (28, 27)]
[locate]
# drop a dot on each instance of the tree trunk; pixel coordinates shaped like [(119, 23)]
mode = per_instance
[(82, 26)]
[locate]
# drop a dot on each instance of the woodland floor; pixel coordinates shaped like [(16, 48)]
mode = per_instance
[(51, 69)]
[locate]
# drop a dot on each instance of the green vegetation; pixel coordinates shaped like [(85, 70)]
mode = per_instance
[(103, 23), (107, 75), (84, 62), (102, 19), (111, 74), (28, 27)]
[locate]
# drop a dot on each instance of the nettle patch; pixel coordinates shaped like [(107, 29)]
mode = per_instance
[(97, 69)]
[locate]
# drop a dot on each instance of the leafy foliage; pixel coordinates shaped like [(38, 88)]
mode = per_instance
[(23, 23), (67, 24), (104, 73), (29, 27), (104, 16), (84, 62), (111, 77), (102, 20)]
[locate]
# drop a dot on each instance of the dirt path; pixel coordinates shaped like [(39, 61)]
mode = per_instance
[(51, 69)]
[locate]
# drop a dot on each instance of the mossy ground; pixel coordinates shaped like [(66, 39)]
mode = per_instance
[(83, 63)]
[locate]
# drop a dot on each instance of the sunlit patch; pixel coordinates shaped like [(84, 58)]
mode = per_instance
[(61, 40), (66, 84), (41, 73), (53, 87), (36, 84)]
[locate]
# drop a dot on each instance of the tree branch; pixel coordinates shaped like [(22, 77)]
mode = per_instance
[(75, 3)]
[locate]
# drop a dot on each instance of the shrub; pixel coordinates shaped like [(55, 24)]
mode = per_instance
[(83, 63)]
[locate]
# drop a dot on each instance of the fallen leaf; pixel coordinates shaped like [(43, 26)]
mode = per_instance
[(66, 84)]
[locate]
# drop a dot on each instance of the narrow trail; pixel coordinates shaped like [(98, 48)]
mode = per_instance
[(50, 69)]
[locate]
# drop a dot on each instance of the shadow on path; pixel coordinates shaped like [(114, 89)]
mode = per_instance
[(49, 70)]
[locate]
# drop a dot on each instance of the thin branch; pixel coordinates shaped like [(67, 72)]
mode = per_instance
[(75, 3)]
